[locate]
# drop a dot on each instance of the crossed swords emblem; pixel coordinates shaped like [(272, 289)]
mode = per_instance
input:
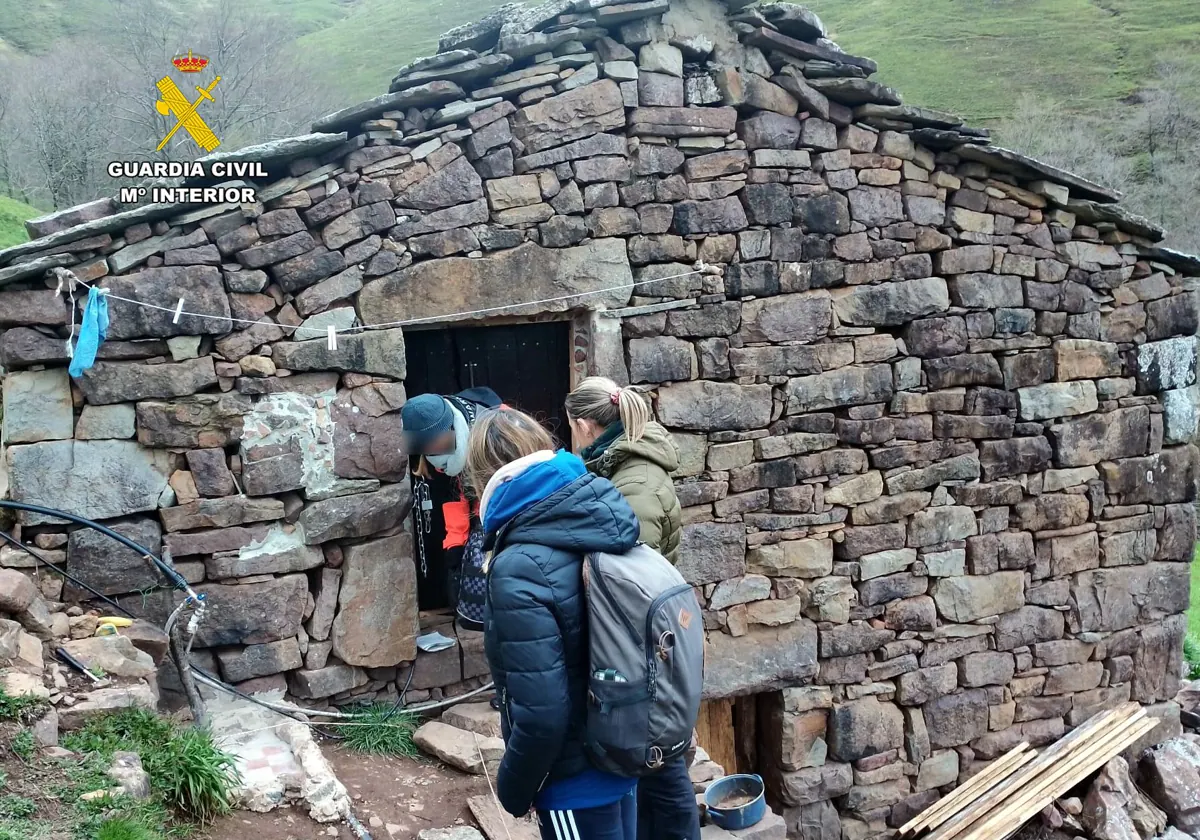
[(186, 113)]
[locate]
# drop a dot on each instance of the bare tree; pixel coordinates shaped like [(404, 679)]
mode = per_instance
[(264, 90), (63, 120), (60, 124), (1146, 147)]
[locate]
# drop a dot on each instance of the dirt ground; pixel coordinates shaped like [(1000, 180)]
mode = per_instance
[(406, 794)]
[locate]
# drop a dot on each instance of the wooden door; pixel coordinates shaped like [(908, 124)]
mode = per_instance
[(715, 732), (528, 365)]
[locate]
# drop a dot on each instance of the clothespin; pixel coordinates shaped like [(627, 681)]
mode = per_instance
[(178, 312), (66, 279), (331, 341)]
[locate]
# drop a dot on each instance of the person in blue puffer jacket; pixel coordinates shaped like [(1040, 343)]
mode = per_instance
[(542, 512)]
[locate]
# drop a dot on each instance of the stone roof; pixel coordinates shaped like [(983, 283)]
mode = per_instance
[(526, 53)]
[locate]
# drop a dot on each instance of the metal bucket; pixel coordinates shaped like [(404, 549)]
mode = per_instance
[(734, 787)]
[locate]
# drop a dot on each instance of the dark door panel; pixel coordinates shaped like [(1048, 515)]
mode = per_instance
[(528, 365)]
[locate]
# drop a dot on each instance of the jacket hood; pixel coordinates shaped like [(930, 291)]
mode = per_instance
[(655, 445), (544, 506)]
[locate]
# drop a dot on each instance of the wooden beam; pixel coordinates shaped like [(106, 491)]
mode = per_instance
[(1060, 778), (976, 786), (984, 806)]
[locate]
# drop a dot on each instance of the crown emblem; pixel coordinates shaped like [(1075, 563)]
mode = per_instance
[(190, 63)]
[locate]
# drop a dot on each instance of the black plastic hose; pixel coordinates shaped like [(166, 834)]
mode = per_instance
[(170, 573), (173, 576)]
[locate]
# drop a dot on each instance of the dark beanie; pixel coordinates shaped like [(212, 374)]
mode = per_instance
[(424, 418)]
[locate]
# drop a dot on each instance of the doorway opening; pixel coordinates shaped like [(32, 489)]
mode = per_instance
[(754, 734), (728, 730), (527, 365)]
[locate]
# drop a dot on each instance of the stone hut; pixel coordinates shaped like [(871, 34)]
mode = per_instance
[(935, 400)]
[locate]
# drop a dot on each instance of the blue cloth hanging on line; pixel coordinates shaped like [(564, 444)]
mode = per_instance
[(92, 333)]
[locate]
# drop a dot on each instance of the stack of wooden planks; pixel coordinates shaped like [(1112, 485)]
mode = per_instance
[(997, 801)]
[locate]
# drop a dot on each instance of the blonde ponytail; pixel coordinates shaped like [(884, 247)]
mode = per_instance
[(634, 412), (604, 402)]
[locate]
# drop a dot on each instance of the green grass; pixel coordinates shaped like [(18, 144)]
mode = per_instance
[(1191, 642), (1193, 615), (16, 807), (23, 744), (122, 828), (12, 216), (189, 775), (379, 732), (379, 36), (18, 709), (32, 26), (977, 57)]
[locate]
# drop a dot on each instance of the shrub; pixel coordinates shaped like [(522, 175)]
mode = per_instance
[(17, 708), (16, 807), (379, 732), (193, 775), (22, 744), (188, 773), (120, 828), (1191, 656), (134, 730)]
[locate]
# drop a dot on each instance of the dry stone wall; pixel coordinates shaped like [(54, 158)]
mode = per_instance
[(935, 406)]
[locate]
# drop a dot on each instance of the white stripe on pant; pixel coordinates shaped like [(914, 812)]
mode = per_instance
[(564, 825)]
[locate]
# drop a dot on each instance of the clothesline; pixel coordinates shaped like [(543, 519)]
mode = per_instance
[(179, 312)]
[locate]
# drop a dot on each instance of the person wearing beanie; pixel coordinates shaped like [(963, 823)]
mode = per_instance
[(435, 434)]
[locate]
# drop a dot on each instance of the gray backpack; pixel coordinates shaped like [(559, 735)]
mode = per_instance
[(646, 651)]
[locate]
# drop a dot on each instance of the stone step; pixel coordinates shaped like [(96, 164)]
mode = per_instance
[(463, 750), (770, 827), (480, 718), (703, 772), (497, 825)]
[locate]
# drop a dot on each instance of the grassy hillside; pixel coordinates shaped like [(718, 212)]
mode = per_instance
[(34, 25), (972, 56), (12, 214), (976, 57), (378, 36)]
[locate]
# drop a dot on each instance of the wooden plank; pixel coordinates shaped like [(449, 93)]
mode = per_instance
[(965, 792), (983, 806), (985, 810), (1145, 727), (1060, 778), (976, 786), (496, 824), (1079, 774), (1007, 811), (714, 731), (745, 734)]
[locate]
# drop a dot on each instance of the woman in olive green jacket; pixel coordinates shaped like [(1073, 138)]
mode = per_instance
[(615, 436)]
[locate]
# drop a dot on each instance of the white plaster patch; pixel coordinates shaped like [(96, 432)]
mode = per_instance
[(278, 419), (688, 18), (277, 756), (277, 541)]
